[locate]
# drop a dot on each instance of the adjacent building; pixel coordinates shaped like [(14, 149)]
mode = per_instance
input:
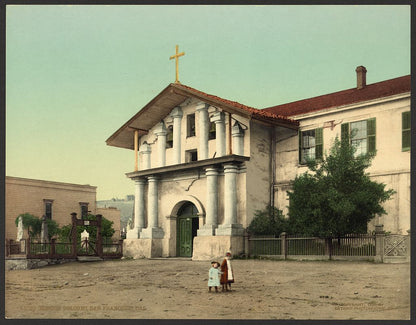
[(55, 200)]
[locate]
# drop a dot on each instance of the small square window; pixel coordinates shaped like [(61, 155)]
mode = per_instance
[(191, 155)]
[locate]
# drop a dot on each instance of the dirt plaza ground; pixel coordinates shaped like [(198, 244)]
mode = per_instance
[(177, 289)]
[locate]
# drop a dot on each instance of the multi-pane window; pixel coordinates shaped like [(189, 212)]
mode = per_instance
[(361, 134), (310, 145), (48, 208), (190, 130), (84, 210), (406, 122)]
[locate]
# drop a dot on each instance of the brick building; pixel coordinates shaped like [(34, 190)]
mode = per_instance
[(55, 200)]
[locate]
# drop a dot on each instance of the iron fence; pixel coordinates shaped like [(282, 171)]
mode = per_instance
[(36, 249), (305, 246), (265, 246), (349, 245)]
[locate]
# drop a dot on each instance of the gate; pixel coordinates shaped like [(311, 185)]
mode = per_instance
[(87, 247), (396, 248)]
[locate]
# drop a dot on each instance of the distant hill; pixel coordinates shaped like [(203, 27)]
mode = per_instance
[(126, 207)]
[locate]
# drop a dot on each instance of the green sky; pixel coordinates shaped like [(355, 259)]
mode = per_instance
[(75, 74)]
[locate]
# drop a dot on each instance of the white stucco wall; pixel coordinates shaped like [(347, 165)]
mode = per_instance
[(390, 166), (258, 170)]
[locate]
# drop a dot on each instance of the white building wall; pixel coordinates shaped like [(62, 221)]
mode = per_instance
[(390, 165), (258, 170)]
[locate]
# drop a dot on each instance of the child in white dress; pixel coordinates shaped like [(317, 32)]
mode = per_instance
[(214, 276)]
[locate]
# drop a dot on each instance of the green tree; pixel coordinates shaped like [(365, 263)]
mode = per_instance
[(269, 221), (106, 229), (34, 225), (338, 197)]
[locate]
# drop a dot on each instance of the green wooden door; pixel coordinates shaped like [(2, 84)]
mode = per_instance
[(185, 237), (188, 224)]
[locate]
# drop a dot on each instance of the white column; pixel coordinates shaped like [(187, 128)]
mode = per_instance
[(211, 220), (177, 114), (218, 118), (139, 212), (238, 139), (161, 132), (203, 128), (230, 226), (145, 151), (152, 201), (230, 194), (152, 230)]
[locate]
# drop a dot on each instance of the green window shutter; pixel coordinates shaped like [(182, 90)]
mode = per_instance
[(371, 135), (345, 131), (319, 139), (300, 146), (406, 135)]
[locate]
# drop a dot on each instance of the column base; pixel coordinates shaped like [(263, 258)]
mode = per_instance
[(142, 248), (213, 248), (133, 233), (152, 233), (230, 230), (207, 230)]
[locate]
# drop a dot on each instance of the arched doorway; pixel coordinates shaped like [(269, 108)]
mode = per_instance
[(187, 227)]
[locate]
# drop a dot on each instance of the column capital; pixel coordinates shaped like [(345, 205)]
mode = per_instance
[(201, 106), (230, 168), (176, 112), (153, 178), (237, 130), (160, 129), (218, 117), (139, 181), (145, 147), (211, 171)]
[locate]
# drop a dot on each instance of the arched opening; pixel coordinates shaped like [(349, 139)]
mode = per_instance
[(187, 227)]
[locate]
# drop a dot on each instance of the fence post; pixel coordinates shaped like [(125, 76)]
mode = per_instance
[(284, 245), (120, 243), (28, 246), (53, 247), (246, 243), (328, 247), (379, 257)]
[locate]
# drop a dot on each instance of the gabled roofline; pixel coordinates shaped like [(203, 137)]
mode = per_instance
[(174, 94)]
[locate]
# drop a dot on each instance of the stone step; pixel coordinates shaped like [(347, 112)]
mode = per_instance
[(89, 258)]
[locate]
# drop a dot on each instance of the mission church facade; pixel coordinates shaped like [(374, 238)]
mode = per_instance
[(204, 165)]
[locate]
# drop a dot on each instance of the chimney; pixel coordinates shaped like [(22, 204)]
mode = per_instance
[(361, 75)]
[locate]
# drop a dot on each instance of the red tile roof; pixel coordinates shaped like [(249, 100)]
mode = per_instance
[(350, 96), (251, 110)]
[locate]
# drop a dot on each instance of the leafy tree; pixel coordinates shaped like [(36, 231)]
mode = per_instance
[(269, 221), (338, 197), (106, 229), (30, 222), (34, 225)]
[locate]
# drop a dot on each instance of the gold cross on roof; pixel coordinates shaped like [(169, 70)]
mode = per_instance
[(176, 57)]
